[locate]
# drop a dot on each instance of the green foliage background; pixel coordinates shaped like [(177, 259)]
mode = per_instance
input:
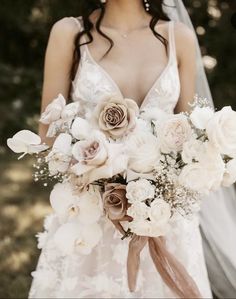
[(24, 30)]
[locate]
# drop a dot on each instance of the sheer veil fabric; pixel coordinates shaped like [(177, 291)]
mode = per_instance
[(217, 217)]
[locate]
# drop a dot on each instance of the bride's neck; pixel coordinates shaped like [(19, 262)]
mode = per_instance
[(125, 14)]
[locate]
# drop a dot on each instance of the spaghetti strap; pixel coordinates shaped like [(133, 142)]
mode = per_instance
[(78, 22), (172, 47)]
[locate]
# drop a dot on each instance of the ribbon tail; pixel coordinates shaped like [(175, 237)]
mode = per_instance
[(171, 270), (136, 245)]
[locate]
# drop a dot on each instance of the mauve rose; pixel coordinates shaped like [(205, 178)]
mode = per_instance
[(115, 201), (92, 152), (115, 116)]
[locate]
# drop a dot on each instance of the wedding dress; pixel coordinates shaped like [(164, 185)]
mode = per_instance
[(102, 274)]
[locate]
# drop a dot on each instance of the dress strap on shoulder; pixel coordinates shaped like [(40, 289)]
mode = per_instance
[(78, 21), (172, 47)]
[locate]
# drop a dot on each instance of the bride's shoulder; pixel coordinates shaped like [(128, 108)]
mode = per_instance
[(185, 41), (66, 27), (183, 33)]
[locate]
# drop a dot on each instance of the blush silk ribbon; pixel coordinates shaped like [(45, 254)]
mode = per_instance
[(170, 269)]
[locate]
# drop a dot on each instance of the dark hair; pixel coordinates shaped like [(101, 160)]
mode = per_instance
[(88, 6)]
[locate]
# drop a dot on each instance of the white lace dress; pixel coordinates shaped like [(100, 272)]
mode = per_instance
[(103, 273)]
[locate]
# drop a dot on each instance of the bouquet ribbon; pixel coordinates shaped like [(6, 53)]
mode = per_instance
[(170, 269)]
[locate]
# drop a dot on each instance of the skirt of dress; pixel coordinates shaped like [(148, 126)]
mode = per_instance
[(102, 274)]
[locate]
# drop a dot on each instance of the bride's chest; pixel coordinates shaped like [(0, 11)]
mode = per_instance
[(129, 78)]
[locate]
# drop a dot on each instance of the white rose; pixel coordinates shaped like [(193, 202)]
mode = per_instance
[(221, 131), (70, 111), (200, 117), (173, 133), (72, 238), (143, 151), (192, 150), (53, 110), (140, 227), (205, 175), (81, 128), (230, 173), (159, 213), (138, 211), (154, 114), (195, 177), (211, 158), (26, 142), (139, 191), (60, 156)]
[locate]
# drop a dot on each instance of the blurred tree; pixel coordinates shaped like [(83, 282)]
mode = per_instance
[(24, 30)]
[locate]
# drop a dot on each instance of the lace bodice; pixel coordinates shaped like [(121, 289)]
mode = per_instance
[(92, 82)]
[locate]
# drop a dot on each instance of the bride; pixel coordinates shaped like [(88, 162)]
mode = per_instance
[(133, 49)]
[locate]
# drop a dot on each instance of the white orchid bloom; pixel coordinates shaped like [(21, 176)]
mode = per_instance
[(72, 238), (64, 202), (26, 142), (70, 111), (60, 156), (53, 110)]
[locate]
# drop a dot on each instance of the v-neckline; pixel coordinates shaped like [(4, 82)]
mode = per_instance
[(116, 86)]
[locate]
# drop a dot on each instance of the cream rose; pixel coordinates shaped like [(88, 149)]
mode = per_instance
[(115, 201), (115, 116), (221, 131), (173, 133), (143, 151), (140, 190)]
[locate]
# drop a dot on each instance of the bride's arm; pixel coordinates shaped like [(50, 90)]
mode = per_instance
[(57, 66), (185, 49)]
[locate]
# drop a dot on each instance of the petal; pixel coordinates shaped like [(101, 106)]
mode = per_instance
[(63, 143), (16, 146), (80, 128), (80, 169), (27, 137)]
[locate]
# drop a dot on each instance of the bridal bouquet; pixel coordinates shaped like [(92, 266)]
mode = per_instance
[(140, 166)]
